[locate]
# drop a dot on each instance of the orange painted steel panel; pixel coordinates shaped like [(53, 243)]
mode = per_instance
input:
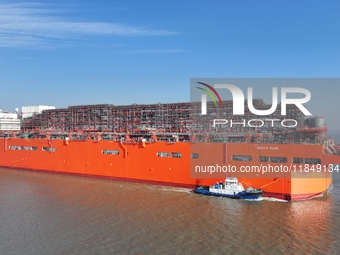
[(138, 162)]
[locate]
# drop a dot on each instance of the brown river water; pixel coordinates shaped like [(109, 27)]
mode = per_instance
[(44, 213)]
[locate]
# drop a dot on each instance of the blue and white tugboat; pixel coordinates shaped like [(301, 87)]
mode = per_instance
[(231, 188)]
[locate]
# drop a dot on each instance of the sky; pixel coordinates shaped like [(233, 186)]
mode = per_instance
[(65, 53)]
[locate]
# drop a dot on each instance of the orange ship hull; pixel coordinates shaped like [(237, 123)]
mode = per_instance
[(141, 162)]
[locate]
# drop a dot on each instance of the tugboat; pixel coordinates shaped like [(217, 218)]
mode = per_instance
[(231, 188)]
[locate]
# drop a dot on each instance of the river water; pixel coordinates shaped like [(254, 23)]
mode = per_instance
[(44, 213)]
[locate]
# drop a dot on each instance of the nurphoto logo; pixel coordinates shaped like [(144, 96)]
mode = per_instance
[(238, 99)]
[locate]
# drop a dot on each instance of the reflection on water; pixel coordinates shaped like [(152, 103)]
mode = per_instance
[(43, 213)]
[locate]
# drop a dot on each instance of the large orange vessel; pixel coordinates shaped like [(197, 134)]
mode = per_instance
[(112, 142)]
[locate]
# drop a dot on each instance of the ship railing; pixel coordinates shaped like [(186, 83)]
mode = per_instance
[(172, 137)]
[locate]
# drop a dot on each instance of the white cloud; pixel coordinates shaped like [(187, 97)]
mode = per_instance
[(33, 24)]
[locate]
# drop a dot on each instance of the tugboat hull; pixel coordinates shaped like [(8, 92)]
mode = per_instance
[(209, 191)]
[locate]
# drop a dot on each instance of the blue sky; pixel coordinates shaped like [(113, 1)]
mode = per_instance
[(66, 53)]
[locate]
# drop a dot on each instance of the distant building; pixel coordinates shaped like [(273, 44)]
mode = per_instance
[(29, 111), (9, 121)]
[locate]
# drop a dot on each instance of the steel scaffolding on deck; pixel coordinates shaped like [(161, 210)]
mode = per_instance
[(174, 119)]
